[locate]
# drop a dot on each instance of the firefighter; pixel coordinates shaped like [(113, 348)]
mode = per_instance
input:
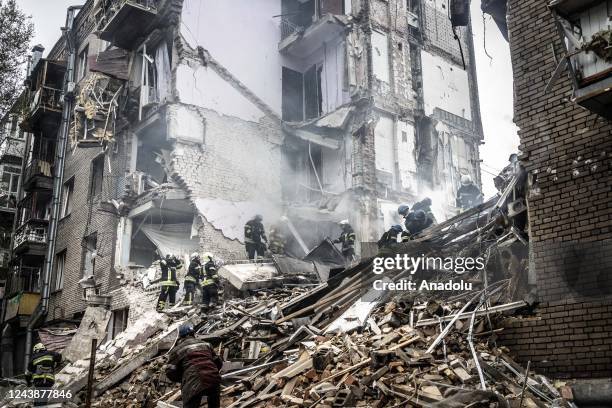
[(192, 279), (210, 282), (425, 206), (389, 238), (169, 282), (347, 239), (255, 237), (278, 238), (468, 195), (41, 369), (403, 210), (195, 364), (416, 222)]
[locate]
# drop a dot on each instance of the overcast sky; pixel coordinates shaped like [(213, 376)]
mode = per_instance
[(494, 78)]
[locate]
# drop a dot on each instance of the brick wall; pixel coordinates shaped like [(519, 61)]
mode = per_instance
[(239, 161), (87, 218), (568, 149)]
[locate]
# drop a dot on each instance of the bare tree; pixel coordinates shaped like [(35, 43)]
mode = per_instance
[(15, 35)]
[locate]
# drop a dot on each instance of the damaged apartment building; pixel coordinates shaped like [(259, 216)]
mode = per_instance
[(162, 126)]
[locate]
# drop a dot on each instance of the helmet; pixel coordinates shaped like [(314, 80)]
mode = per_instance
[(208, 255), (195, 255), (185, 330), (403, 209), (38, 347), (397, 228), (466, 180), (343, 222), (258, 217)]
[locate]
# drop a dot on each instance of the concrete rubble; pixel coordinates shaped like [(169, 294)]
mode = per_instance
[(341, 341)]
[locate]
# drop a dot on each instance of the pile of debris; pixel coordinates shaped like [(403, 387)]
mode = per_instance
[(344, 343)]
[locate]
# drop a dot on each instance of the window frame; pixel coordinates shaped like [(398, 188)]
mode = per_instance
[(95, 193), (58, 278), (67, 199)]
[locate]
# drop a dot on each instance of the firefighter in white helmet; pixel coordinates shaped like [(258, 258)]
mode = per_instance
[(468, 195), (347, 239)]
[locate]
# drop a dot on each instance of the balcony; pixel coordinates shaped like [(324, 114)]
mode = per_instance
[(22, 304), (125, 23), (584, 29), (12, 150), (38, 175), (46, 102), (306, 25), (300, 42), (31, 238)]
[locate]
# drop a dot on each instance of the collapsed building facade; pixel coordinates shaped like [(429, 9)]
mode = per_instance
[(181, 125)]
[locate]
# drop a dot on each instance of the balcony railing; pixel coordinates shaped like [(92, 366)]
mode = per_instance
[(123, 22), (32, 232), (46, 98), (12, 146), (287, 28), (38, 167), (24, 279)]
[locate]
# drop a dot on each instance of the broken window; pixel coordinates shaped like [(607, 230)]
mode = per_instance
[(313, 97), (152, 162), (8, 186), (302, 94), (97, 176), (60, 265), (119, 321), (90, 244), (67, 197), (293, 95), (82, 65)]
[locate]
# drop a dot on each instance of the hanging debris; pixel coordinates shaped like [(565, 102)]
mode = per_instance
[(95, 111)]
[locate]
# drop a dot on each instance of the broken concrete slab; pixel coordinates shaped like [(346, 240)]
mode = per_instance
[(93, 326)]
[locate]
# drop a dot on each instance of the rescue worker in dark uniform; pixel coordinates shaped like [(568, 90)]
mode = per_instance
[(278, 237), (255, 237), (468, 195), (41, 369), (347, 239), (389, 238), (192, 279), (210, 282), (194, 363), (416, 222), (169, 282), (425, 206)]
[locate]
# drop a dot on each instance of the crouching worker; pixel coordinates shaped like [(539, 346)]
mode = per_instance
[(210, 282), (41, 369), (194, 363), (389, 238)]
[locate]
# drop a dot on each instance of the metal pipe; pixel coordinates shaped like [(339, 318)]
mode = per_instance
[(58, 179)]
